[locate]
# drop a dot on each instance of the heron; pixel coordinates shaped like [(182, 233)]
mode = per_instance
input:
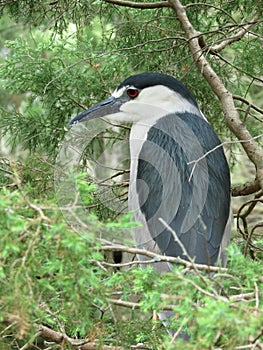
[(179, 174)]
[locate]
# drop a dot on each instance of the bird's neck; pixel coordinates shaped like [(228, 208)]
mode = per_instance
[(138, 136)]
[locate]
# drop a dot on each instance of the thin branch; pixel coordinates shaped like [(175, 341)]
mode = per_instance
[(158, 257), (247, 113), (6, 171), (127, 264), (246, 347), (185, 253), (37, 209), (242, 297), (139, 5), (50, 335), (258, 336), (234, 298), (211, 6), (242, 99), (195, 161), (242, 217), (256, 294), (61, 72), (177, 240), (128, 304), (112, 52), (178, 331), (228, 41), (229, 63), (30, 342)]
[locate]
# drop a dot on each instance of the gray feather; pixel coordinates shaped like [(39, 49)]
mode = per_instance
[(193, 199)]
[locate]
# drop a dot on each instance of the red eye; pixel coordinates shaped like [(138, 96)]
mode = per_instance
[(132, 92)]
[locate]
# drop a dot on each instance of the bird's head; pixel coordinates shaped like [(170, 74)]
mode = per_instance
[(141, 97)]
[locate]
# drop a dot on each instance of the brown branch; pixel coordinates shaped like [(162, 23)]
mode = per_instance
[(242, 99), (229, 63), (245, 189), (242, 217), (50, 335), (249, 238), (234, 122), (228, 41), (220, 9), (139, 5), (258, 336)]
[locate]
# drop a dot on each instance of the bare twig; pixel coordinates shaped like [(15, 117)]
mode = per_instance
[(228, 41), (221, 145), (256, 294), (158, 257), (6, 171), (140, 5), (177, 240), (244, 100), (127, 264), (242, 215), (128, 304), (178, 331), (258, 336), (42, 216), (220, 9), (195, 161), (238, 68), (61, 338)]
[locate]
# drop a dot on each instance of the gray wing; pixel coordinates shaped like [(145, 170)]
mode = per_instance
[(193, 198)]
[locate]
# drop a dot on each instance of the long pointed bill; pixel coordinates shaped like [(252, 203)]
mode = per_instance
[(109, 106)]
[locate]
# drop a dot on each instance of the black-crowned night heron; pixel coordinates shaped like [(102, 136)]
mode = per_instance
[(178, 170)]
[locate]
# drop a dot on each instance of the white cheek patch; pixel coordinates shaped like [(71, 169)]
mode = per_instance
[(164, 99), (136, 110), (119, 92)]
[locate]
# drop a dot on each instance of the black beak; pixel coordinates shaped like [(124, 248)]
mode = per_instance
[(109, 106)]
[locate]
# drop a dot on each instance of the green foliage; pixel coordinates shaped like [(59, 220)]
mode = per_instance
[(57, 74), (49, 274)]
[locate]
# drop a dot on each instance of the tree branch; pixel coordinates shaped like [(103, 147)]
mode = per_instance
[(128, 304), (245, 189), (195, 161), (139, 5), (234, 123), (242, 99), (203, 4), (254, 77), (228, 41), (157, 257), (50, 335)]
